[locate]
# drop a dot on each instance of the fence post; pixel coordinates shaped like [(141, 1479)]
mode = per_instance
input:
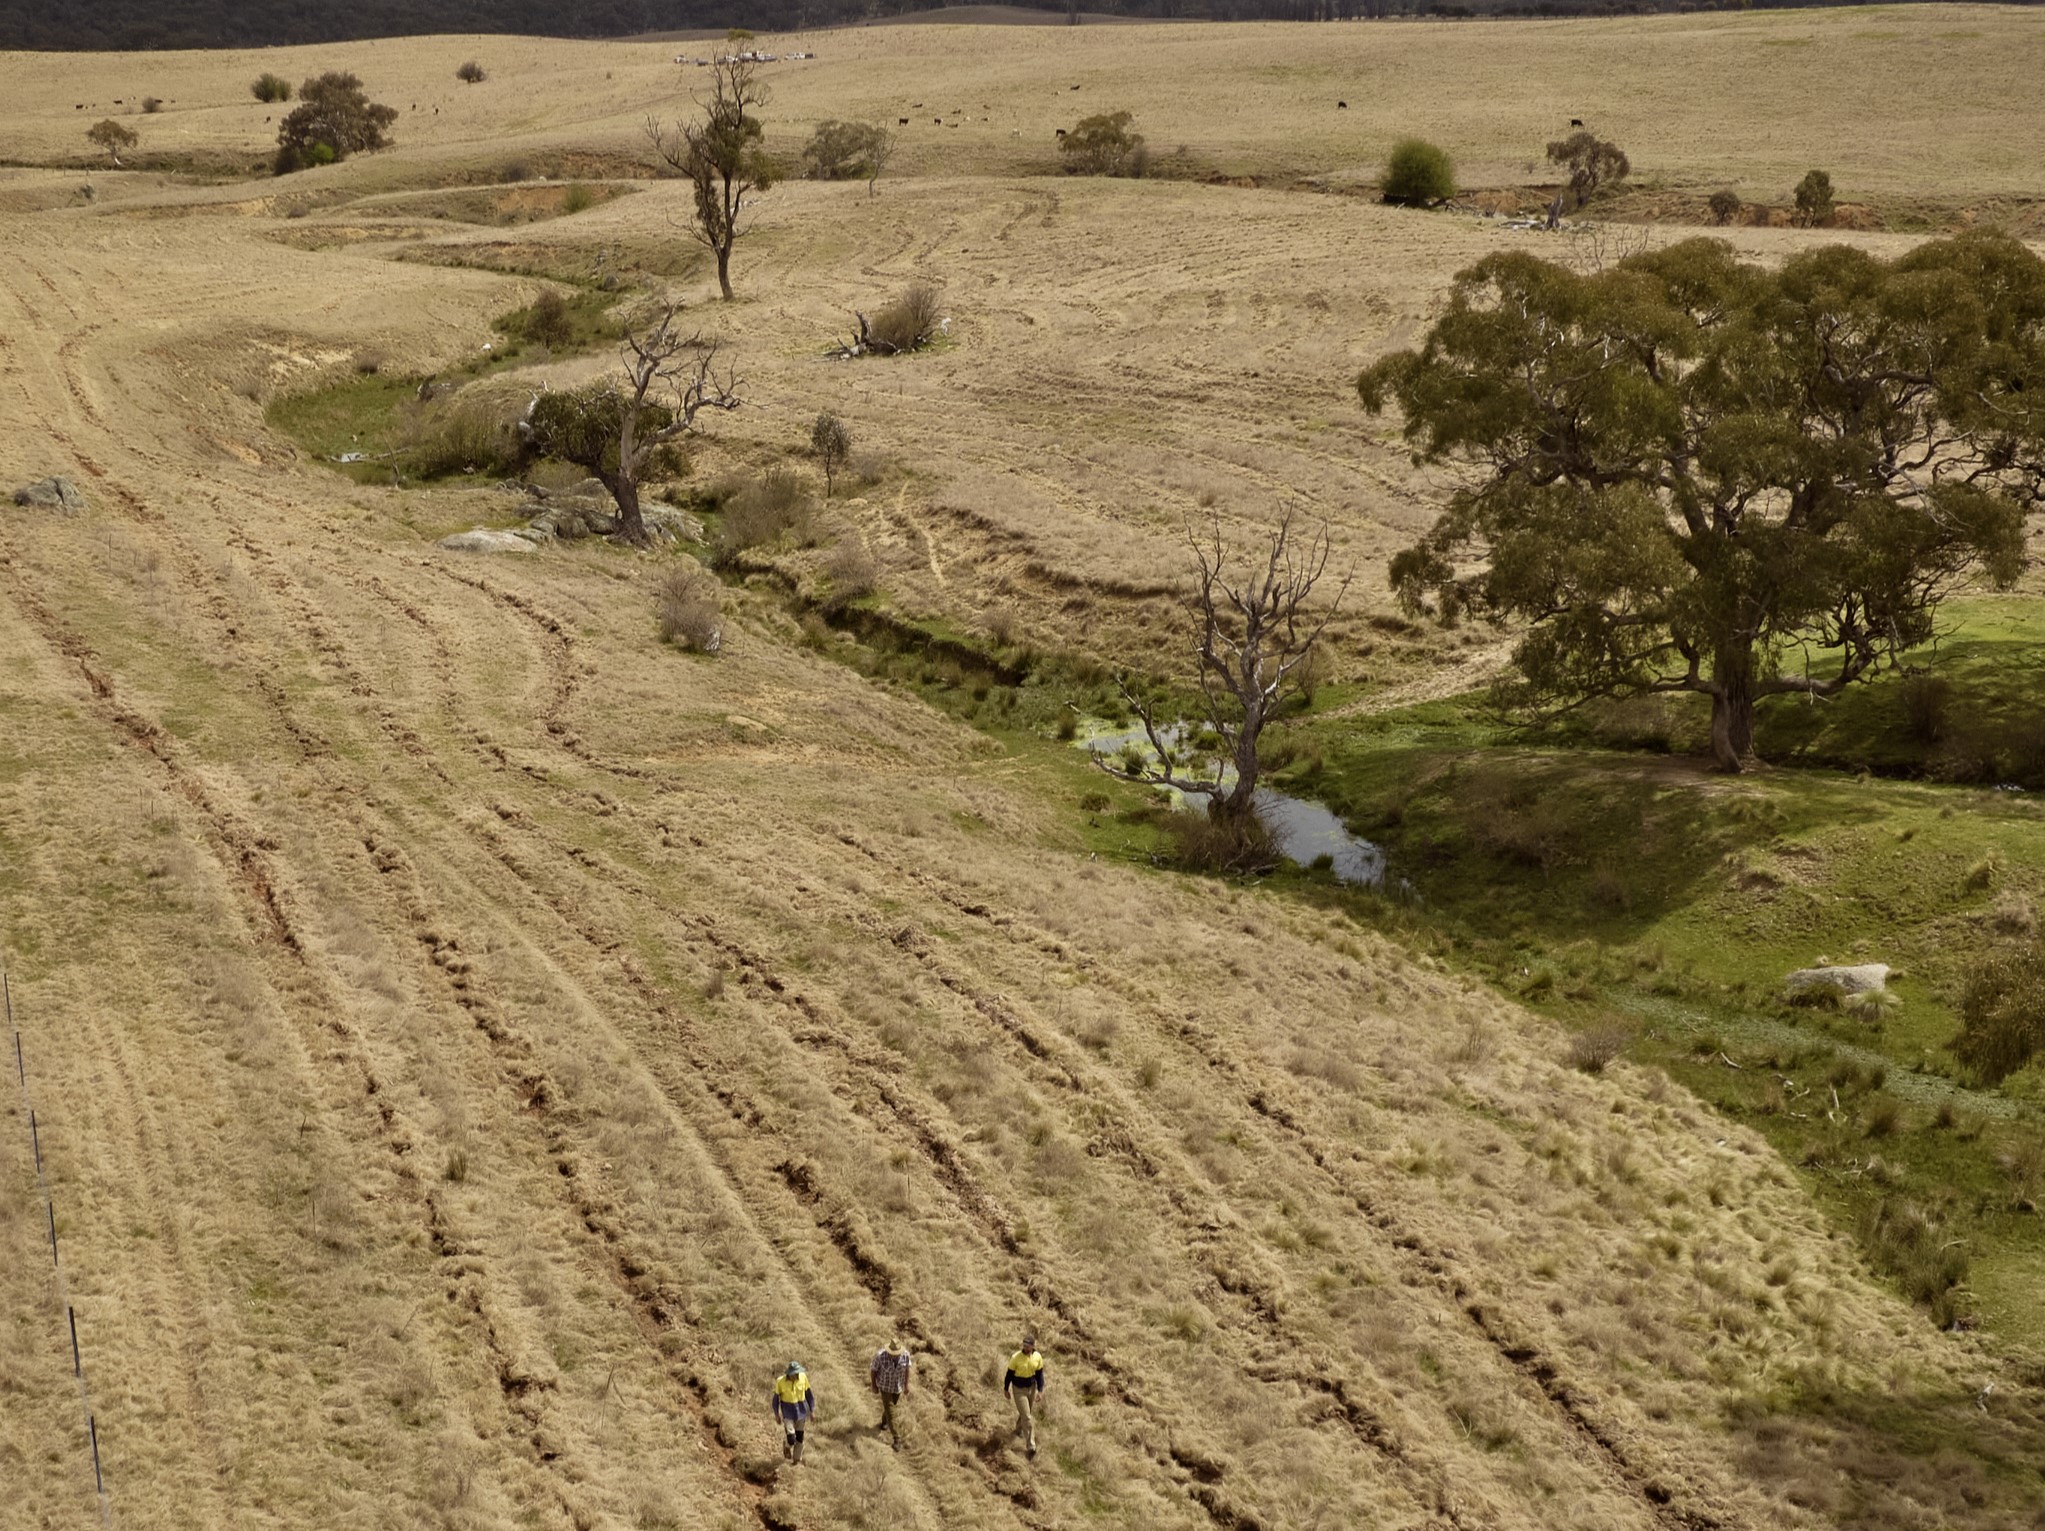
[(35, 1135)]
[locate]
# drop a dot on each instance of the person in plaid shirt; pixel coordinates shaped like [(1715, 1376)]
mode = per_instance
[(890, 1372)]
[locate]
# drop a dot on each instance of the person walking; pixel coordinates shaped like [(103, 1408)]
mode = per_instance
[(795, 1404), (890, 1372), (1024, 1386)]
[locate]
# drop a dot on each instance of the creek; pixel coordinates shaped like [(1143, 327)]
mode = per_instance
[(1303, 830)]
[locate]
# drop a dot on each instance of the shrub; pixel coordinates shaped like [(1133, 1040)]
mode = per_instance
[(271, 87), (1725, 206), (471, 73), (152, 105), (2024, 1165), (1205, 843), (908, 323), (2002, 1013), (577, 199), (851, 573), (686, 609), (1907, 1241), (1418, 174), (1592, 1050), (473, 431), (1101, 145), (768, 509), (832, 444), (1927, 707), (1814, 199), (547, 322)]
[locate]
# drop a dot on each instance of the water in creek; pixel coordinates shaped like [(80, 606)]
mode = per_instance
[(1302, 830)]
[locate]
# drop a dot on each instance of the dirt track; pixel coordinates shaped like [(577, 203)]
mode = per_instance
[(478, 1046)]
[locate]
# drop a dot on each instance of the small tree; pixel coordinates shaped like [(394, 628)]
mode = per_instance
[(832, 444), (1418, 174), (1688, 473), (1591, 161), (1814, 199), (723, 157), (471, 73), (271, 87), (616, 430), (1101, 144), (1724, 205), (112, 137), (333, 111), (1252, 633)]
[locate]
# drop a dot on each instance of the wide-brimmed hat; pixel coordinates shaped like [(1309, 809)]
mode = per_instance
[(895, 1345), (794, 1369)]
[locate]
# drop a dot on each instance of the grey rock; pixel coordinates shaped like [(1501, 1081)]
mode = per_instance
[(1864, 978), (484, 540), (58, 494)]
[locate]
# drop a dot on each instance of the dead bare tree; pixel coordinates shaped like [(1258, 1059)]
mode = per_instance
[(722, 156), (614, 429), (1252, 635)]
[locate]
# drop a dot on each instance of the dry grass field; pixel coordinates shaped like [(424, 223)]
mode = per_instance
[(475, 1045)]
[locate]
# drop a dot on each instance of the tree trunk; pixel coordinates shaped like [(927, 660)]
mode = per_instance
[(724, 270), (631, 524), (1732, 710), (1241, 797)]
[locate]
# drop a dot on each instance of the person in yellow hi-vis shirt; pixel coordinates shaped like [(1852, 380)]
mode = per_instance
[(1024, 1386), (794, 1405)]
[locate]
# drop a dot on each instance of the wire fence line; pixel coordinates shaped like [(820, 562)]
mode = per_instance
[(35, 1138)]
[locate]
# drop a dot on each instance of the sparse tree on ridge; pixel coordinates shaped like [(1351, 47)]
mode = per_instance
[(614, 429), (1253, 629), (1591, 161), (113, 137), (1724, 205), (723, 158), (1694, 474)]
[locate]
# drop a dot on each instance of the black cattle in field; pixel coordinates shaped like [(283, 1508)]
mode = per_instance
[(1341, 106), (1576, 122), (902, 122)]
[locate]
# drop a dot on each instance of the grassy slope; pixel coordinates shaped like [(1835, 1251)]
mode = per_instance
[(483, 1045)]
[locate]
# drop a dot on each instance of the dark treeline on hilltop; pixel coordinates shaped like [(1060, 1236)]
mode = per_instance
[(129, 24)]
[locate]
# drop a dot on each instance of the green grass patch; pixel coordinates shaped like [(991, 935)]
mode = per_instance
[(397, 434), (1634, 887)]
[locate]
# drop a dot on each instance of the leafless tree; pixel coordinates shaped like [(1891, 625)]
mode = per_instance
[(1253, 631), (722, 156), (614, 429)]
